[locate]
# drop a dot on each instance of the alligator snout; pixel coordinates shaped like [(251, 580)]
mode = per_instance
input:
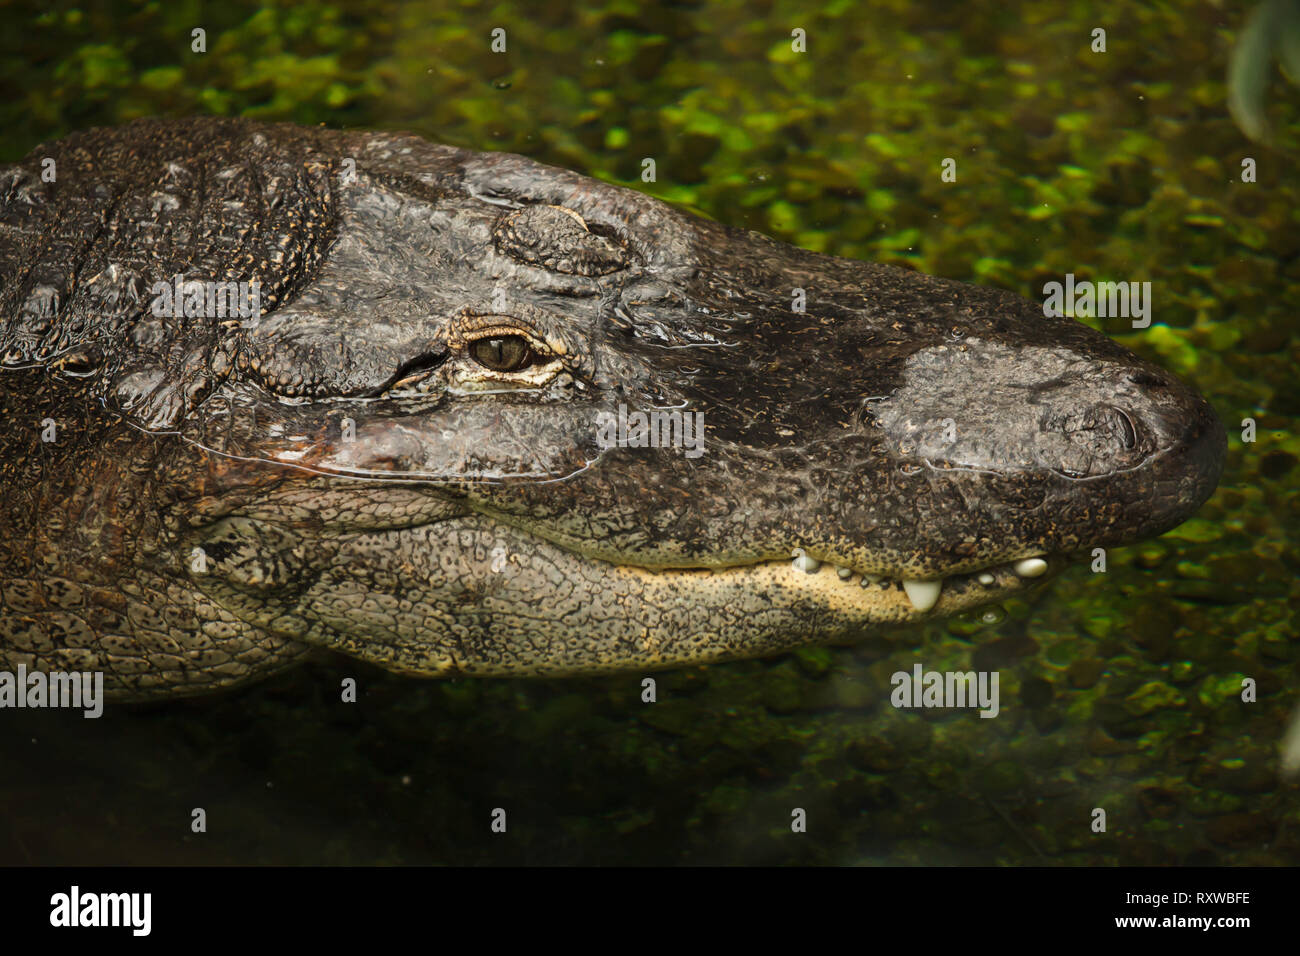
[(1180, 444), (1048, 448), (1125, 421)]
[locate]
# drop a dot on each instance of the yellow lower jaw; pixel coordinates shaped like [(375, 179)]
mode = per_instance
[(855, 598)]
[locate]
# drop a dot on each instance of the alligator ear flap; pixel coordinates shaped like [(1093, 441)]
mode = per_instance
[(158, 396), (144, 397)]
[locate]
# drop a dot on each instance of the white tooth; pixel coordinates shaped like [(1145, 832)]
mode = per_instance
[(1030, 567), (985, 579), (923, 594), (844, 573), (806, 564), (872, 578)]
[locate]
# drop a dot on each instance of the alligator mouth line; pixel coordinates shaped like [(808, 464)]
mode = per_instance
[(872, 595), (850, 590)]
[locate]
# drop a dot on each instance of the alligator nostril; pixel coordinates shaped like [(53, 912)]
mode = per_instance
[(1128, 431)]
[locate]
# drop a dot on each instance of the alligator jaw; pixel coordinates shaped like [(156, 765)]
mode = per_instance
[(873, 598)]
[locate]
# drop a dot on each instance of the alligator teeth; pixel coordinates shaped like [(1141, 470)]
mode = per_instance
[(806, 564), (986, 579), (1030, 567), (923, 594), (844, 573)]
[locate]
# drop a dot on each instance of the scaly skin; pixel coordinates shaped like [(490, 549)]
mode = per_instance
[(347, 469)]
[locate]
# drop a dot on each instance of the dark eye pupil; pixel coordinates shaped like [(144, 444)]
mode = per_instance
[(502, 353)]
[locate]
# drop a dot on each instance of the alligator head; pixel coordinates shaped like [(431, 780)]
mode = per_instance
[(494, 417)]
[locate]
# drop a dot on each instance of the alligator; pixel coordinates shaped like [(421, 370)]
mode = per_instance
[(491, 417)]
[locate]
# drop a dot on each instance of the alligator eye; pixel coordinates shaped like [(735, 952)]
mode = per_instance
[(502, 353)]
